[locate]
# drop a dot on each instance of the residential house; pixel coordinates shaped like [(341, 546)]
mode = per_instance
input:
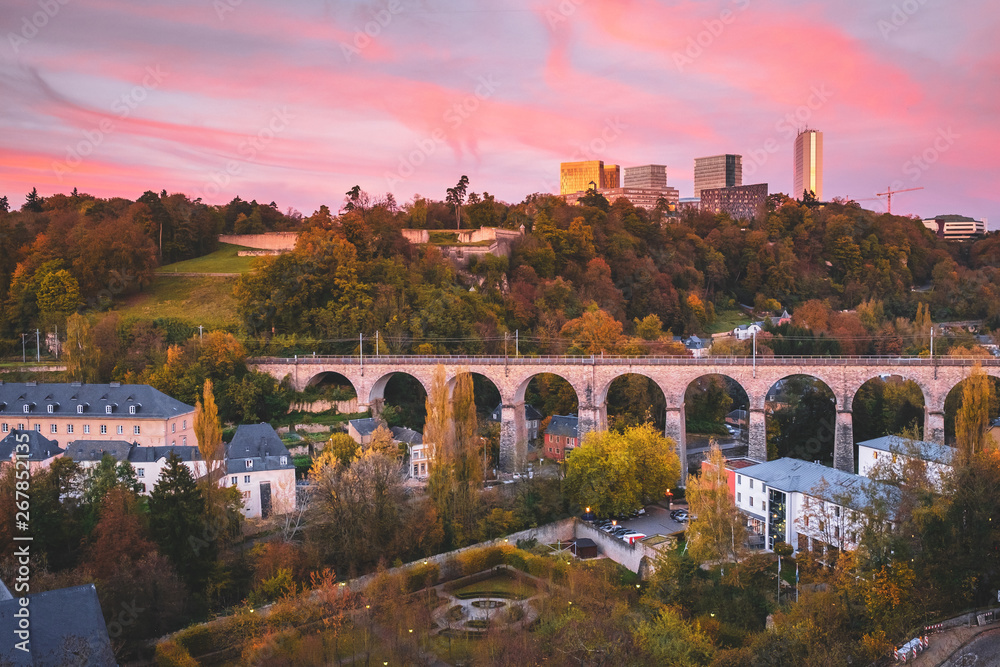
[(259, 465), (778, 320), (30, 446), (532, 419), (891, 453), (79, 411), (698, 347), (419, 454), (561, 437), (994, 431), (361, 429), (148, 462), (806, 505), (67, 627), (747, 331)]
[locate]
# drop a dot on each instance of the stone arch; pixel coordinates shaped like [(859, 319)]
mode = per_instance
[(376, 394), (522, 386), (925, 394), (951, 402), (321, 376), (810, 448)]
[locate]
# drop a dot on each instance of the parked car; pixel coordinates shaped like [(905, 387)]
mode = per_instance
[(632, 538), (679, 515)]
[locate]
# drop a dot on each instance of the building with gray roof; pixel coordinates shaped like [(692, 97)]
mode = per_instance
[(66, 628), (361, 429), (889, 454), (30, 446), (532, 419), (148, 462), (73, 410), (260, 466)]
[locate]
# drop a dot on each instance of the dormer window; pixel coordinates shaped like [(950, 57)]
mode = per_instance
[(131, 409), (249, 464), (79, 409), (107, 409), (27, 408), (284, 460), (51, 408)]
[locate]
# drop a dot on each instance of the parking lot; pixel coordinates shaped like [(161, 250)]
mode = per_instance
[(656, 522)]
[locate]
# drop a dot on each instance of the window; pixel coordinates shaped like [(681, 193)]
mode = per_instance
[(836, 532), (38, 428), (20, 427), (235, 480), (822, 525), (173, 427), (173, 443), (140, 472), (836, 511), (69, 428), (874, 455), (107, 409), (27, 408), (416, 469), (751, 501), (739, 479), (284, 460), (246, 479), (104, 429), (143, 487), (5, 427), (854, 537), (120, 430), (86, 429), (184, 441), (51, 408), (751, 483), (131, 409), (805, 520), (249, 463), (135, 430), (185, 425), (79, 409), (739, 497), (53, 428)]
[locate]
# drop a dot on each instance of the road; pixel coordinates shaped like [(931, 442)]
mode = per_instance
[(984, 651)]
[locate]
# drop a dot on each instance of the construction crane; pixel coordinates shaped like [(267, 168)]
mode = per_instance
[(889, 192)]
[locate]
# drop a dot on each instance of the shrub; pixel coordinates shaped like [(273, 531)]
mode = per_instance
[(422, 576), (171, 654), (196, 640)]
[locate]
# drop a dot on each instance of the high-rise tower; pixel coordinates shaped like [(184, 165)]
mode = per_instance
[(717, 171), (808, 164)]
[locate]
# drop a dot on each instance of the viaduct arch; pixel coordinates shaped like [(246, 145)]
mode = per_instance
[(591, 377)]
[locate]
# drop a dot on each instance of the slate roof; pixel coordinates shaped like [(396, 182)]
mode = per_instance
[(40, 448), (260, 444), (694, 343), (794, 475), (365, 426), (925, 451), (407, 435), (67, 628), (530, 413), (94, 450), (65, 397), (738, 413), (561, 425), (150, 454)]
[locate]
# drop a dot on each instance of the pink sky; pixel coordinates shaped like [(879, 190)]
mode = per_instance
[(293, 102)]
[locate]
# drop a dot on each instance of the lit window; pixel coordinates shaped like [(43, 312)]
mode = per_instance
[(69, 428), (120, 429), (53, 428), (874, 455), (86, 429), (135, 430), (104, 429)]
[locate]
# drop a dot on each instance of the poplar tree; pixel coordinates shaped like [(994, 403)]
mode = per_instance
[(208, 432), (973, 418), (717, 531)]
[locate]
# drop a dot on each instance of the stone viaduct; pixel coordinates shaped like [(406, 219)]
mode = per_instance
[(591, 377)]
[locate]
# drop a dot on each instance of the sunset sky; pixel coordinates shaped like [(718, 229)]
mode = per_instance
[(297, 101)]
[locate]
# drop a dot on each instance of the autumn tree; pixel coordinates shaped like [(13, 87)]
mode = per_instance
[(718, 530), (594, 332), (973, 418), (80, 353), (208, 432), (671, 640)]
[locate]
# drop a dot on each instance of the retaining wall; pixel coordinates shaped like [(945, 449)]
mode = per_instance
[(266, 241)]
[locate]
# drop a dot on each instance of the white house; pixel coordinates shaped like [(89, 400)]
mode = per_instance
[(420, 455), (148, 462), (747, 331), (259, 465), (890, 453), (806, 505)]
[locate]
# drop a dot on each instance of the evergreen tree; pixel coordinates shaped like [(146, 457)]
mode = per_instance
[(33, 202), (177, 523)]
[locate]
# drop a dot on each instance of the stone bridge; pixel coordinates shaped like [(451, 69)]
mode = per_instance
[(591, 377)]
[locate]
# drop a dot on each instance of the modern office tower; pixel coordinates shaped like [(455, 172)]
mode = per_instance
[(648, 177), (577, 176), (646, 198), (741, 202), (717, 171), (808, 164)]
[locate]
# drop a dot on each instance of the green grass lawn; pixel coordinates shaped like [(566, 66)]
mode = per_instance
[(727, 320), (223, 260), (499, 584), (198, 300)]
